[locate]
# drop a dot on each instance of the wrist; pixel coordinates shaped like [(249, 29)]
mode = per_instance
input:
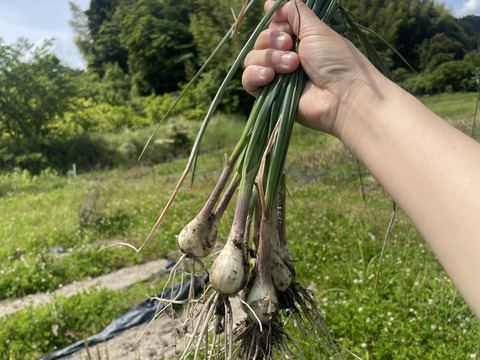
[(360, 106)]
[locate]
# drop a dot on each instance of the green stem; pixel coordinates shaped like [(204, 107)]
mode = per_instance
[(236, 65)]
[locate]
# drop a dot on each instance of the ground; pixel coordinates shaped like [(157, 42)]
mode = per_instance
[(153, 341)]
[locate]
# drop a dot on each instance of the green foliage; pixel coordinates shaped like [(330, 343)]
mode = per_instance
[(39, 331), (191, 106), (101, 117), (101, 43), (449, 76), (216, 16), (156, 36), (471, 24), (35, 89), (97, 150), (79, 24), (407, 24), (439, 49), (115, 86)]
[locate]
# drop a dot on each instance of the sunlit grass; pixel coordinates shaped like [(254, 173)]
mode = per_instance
[(458, 109)]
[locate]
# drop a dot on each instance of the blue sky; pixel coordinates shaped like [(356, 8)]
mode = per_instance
[(37, 20)]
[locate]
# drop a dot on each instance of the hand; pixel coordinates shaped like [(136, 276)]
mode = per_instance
[(337, 71)]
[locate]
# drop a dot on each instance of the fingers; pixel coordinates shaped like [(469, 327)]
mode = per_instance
[(272, 49), (280, 61), (274, 39), (300, 20), (255, 76), (271, 55), (261, 66)]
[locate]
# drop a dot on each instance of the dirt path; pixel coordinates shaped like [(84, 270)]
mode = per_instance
[(158, 341), (113, 281)]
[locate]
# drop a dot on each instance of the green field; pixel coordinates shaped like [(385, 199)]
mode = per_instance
[(335, 237)]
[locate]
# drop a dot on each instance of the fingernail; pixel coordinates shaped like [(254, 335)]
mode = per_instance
[(263, 72), (280, 41), (286, 59)]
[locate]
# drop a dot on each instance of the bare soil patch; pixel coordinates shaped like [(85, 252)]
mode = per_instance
[(114, 281)]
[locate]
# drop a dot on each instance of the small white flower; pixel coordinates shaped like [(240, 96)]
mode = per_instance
[(363, 345)]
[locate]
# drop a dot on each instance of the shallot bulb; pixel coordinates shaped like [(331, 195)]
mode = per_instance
[(262, 300), (197, 239), (229, 272)]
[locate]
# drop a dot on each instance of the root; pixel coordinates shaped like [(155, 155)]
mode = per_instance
[(272, 342), (209, 329), (299, 308), (167, 301)]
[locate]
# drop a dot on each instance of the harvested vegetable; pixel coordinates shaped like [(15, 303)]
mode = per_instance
[(255, 263)]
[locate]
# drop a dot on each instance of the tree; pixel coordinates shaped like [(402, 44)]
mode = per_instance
[(471, 24), (156, 35), (439, 49), (216, 16), (114, 88), (98, 34), (35, 89), (79, 24), (406, 24)]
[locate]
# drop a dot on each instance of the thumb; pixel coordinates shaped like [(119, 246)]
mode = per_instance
[(302, 20)]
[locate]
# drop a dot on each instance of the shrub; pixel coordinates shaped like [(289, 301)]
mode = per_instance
[(93, 150), (451, 76)]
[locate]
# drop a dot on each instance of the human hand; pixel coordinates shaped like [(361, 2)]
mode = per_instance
[(337, 71)]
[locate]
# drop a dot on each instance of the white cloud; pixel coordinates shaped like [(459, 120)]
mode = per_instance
[(470, 7), (40, 20)]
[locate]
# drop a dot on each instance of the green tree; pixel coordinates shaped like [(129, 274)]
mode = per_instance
[(35, 89), (439, 49), (212, 19), (103, 38), (471, 24), (406, 24), (208, 25), (83, 37), (156, 35), (114, 88)]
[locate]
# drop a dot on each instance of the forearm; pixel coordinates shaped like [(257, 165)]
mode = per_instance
[(430, 169)]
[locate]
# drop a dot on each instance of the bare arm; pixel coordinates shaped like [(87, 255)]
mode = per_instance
[(430, 169)]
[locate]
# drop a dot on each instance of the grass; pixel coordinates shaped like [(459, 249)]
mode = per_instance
[(457, 107), (66, 320), (336, 238)]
